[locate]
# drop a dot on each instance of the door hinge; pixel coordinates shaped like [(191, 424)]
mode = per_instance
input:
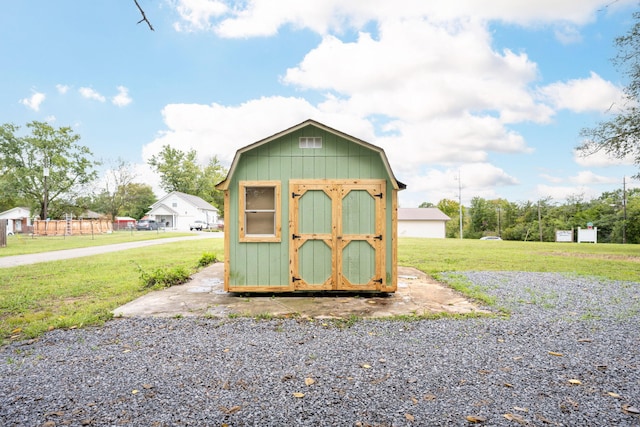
[(378, 195), (295, 236), (378, 281), (379, 237), (294, 195), (295, 279)]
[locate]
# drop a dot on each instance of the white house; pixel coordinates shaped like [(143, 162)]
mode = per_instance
[(177, 210), (18, 220), (422, 222)]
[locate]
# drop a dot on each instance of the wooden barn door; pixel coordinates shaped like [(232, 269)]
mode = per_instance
[(337, 235)]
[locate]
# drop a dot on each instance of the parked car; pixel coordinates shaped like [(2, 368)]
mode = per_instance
[(147, 224), (490, 238), (198, 225)]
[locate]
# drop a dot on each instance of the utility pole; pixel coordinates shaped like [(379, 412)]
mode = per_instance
[(539, 221), (624, 210), (460, 201), (45, 207)]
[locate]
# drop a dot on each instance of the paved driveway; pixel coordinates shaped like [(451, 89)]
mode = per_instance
[(16, 260)]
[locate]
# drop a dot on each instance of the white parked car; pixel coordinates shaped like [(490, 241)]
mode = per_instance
[(198, 225)]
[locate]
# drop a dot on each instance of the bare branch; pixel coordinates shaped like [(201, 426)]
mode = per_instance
[(144, 17)]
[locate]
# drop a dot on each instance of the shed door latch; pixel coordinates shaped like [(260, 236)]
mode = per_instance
[(378, 281), (378, 237), (378, 195), (295, 236), (295, 279), (294, 195)]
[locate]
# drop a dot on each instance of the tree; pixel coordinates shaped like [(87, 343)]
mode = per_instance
[(620, 136), (179, 171), (114, 195), (137, 201), (427, 205), (449, 207), (213, 174), (46, 165)]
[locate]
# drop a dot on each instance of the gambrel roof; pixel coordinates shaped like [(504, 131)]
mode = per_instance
[(396, 184)]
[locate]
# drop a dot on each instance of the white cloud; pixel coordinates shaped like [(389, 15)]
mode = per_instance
[(427, 84), (34, 101), (197, 13), (62, 89), (568, 34), (50, 119), (600, 159), (265, 17), (551, 178), (122, 99), (89, 93), (562, 193), (428, 69), (588, 178), (433, 185), (220, 130), (582, 95)]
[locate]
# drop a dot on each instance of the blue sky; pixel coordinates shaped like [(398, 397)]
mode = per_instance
[(493, 91)]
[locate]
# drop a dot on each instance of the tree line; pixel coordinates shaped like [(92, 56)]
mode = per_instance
[(616, 214), (47, 170)]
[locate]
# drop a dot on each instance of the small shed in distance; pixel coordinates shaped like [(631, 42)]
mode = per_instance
[(422, 222), (310, 209)]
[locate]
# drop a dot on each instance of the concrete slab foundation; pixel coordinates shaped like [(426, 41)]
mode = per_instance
[(204, 295)]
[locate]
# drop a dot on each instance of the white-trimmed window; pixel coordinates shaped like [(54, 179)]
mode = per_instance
[(260, 211), (310, 142)]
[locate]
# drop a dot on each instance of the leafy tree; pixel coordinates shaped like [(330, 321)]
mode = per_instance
[(449, 207), (620, 135), (179, 171), (46, 166), (426, 205), (213, 174), (137, 200), (114, 195)]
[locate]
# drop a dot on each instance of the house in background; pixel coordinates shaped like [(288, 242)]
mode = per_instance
[(310, 209), (177, 210), (422, 222), (18, 220)]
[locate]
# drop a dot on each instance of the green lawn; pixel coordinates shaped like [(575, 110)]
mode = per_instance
[(84, 291)]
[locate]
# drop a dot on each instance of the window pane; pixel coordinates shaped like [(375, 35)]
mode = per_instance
[(260, 223), (260, 198)]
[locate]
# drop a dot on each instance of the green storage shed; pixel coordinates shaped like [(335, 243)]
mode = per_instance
[(310, 209)]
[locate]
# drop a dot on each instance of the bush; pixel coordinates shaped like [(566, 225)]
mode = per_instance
[(164, 278), (206, 259)]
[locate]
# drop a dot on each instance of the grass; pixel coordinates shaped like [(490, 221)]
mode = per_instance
[(84, 291), (435, 256), (23, 244)]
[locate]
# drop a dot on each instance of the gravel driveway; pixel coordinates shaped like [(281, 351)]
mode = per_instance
[(569, 355)]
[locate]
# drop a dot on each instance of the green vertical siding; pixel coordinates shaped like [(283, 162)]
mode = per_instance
[(358, 213), (267, 264)]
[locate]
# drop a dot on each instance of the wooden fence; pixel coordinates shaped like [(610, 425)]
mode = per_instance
[(71, 227)]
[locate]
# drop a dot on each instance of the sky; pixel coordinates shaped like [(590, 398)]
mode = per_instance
[(468, 98)]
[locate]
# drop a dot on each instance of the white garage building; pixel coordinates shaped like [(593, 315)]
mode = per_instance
[(422, 222)]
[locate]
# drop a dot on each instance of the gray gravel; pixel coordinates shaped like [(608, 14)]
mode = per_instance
[(212, 372)]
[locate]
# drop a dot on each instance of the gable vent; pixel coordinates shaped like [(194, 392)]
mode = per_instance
[(310, 142)]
